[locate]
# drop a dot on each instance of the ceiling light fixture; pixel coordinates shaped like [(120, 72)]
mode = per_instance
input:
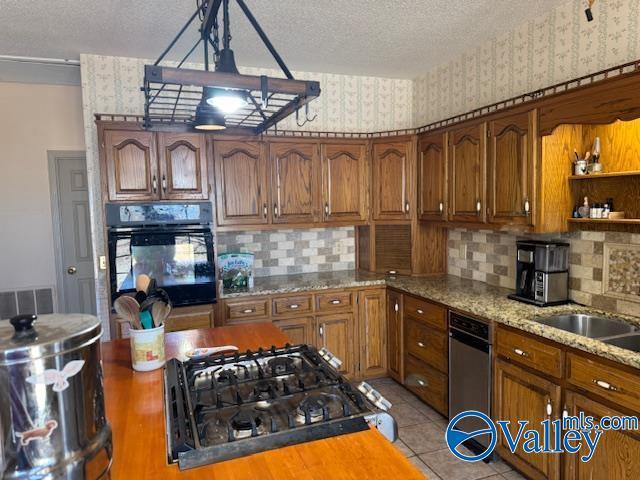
[(222, 98)]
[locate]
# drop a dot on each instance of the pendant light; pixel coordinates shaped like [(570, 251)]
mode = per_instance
[(208, 117)]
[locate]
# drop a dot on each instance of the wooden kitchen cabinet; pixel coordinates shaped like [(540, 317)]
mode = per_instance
[(391, 180), (467, 174), (394, 335), (510, 169), (344, 185), (295, 186), (131, 165), (372, 323), (432, 177), (299, 330), (336, 333), (242, 185), (617, 453), (520, 395), (189, 318), (183, 166)]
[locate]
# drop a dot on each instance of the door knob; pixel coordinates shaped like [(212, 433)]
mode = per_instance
[(71, 270)]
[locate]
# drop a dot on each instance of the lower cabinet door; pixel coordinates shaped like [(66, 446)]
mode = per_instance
[(299, 330), (188, 318), (520, 395), (336, 334), (617, 454), (373, 327)]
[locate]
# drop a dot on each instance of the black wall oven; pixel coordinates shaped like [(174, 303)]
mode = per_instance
[(171, 243)]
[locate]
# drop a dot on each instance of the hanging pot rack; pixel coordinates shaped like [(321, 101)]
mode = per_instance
[(173, 93)]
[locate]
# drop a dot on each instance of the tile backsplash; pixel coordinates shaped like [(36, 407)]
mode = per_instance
[(280, 252), (603, 266)]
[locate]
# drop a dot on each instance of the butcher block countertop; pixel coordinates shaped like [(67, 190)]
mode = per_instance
[(135, 410)]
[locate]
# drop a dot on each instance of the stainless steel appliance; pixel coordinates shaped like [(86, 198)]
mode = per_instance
[(226, 406), (52, 419), (542, 272), (170, 242), (470, 374)]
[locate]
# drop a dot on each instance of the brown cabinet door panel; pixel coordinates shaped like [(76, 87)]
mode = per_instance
[(372, 322), (131, 164), (336, 333), (432, 178), (617, 454), (183, 164), (519, 395), (510, 169), (390, 181), (241, 183), (394, 335), (467, 174), (299, 330), (294, 182), (343, 182)]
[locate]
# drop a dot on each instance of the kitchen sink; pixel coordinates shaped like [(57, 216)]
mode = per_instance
[(630, 342), (588, 325)]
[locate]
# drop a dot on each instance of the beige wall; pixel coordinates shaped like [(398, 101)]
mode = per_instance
[(33, 119)]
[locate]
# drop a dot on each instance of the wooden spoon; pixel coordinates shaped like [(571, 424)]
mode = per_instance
[(142, 283), (128, 309), (160, 311)]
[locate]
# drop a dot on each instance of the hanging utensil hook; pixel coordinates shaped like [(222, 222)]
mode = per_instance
[(306, 114)]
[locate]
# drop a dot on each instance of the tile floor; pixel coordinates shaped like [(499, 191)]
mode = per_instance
[(421, 432)]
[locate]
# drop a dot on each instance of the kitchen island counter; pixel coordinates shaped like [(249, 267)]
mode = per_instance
[(135, 410)]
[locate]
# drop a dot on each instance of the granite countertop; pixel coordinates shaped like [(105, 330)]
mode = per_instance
[(467, 296)]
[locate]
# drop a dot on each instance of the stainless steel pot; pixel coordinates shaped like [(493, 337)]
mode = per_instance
[(52, 420)]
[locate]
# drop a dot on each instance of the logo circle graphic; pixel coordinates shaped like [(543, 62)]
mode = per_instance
[(455, 437)]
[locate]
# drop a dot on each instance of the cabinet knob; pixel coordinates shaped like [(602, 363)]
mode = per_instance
[(527, 207), (520, 352), (441, 207), (321, 331), (293, 306), (392, 272), (478, 207), (265, 211), (421, 345), (275, 209), (396, 307), (154, 184), (248, 310), (605, 385), (335, 302), (420, 311), (549, 407), (326, 209), (164, 183), (422, 383), (406, 207)]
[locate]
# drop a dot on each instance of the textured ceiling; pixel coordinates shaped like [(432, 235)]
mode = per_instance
[(401, 38)]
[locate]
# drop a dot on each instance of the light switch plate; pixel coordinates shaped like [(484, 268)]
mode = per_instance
[(103, 262)]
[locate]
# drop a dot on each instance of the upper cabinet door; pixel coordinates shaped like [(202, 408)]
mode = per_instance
[(183, 165), (390, 181), (131, 165), (294, 182), (432, 178), (510, 170), (241, 183), (467, 174), (343, 182)]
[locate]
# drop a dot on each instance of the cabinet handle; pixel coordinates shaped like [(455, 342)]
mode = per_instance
[(420, 311), (605, 385), (441, 207), (335, 302), (326, 209), (154, 184), (392, 272), (565, 412), (478, 207), (321, 331), (549, 407), (275, 210), (265, 210), (294, 306), (520, 352), (406, 207), (248, 310), (396, 307), (422, 383), (527, 207), (421, 345), (164, 183)]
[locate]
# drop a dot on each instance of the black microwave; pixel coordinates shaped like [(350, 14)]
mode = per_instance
[(171, 243)]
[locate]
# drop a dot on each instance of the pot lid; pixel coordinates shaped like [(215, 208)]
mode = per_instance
[(29, 337)]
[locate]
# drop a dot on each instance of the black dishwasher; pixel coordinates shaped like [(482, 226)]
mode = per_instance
[(470, 374)]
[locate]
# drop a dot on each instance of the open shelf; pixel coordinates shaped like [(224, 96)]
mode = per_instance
[(593, 176), (612, 221)]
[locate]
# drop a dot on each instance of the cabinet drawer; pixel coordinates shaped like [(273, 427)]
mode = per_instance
[(246, 309), (427, 383), (433, 315), (615, 384), (530, 352), (292, 305), (427, 344), (327, 302)]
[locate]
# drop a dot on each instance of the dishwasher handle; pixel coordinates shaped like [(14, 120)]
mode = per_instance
[(469, 340)]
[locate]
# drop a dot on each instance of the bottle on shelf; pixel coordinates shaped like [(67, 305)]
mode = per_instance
[(584, 209)]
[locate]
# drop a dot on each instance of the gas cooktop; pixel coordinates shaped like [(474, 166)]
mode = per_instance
[(227, 406)]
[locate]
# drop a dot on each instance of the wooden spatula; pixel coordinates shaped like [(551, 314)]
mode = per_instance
[(128, 309)]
